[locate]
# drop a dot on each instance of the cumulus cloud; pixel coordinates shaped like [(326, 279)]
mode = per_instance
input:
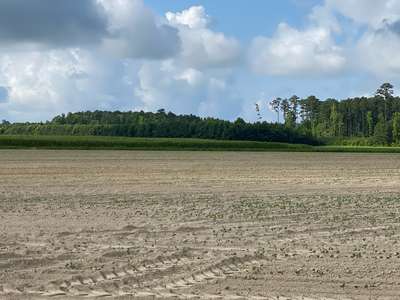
[(201, 46), (369, 12), (323, 16), (49, 22), (369, 32), (198, 79), (377, 52), (70, 56), (134, 60), (186, 90), (135, 31), (195, 18), (124, 28), (292, 52), (42, 84)]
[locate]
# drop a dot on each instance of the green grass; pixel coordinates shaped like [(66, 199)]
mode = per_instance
[(357, 149), (172, 144), (127, 143)]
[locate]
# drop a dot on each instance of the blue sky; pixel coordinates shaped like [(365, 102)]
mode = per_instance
[(211, 58), (243, 19)]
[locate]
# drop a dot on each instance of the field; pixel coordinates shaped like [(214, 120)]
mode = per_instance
[(170, 144), (199, 225), (128, 143)]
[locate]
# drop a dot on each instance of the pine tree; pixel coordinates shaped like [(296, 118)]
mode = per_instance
[(370, 123), (275, 105), (396, 127), (380, 131)]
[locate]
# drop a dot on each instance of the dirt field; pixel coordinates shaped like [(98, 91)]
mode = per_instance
[(196, 225)]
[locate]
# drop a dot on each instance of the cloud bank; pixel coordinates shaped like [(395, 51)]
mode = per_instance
[(60, 56)]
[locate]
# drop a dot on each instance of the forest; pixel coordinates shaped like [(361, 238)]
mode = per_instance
[(356, 121), (158, 125)]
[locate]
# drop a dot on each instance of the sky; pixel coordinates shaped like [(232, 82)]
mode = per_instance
[(213, 58)]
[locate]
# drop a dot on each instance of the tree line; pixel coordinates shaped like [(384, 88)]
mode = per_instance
[(359, 121), (356, 121), (159, 124)]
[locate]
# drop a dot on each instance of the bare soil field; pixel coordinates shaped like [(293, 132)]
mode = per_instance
[(198, 225)]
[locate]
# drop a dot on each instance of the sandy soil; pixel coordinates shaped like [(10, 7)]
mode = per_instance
[(183, 225)]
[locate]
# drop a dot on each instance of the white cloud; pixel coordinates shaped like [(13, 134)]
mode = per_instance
[(377, 52), (201, 46), (191, 74), (370, 41), (369, 12), (42, 84), (137, 33), (323, 16), (186, 90), (198, 79), (194, 17), (294, 52), (125, 28), (33, 79)]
